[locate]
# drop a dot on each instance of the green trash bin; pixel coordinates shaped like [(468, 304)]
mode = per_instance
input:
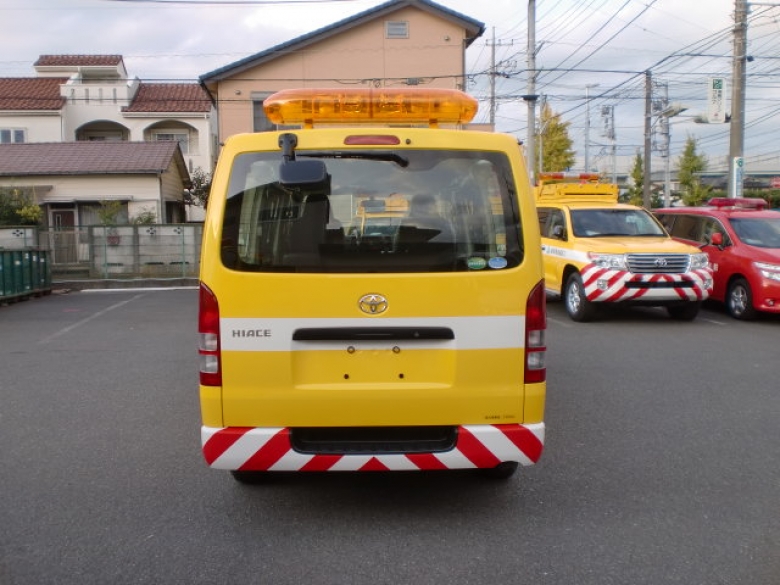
[(17, 273), (3, 292), (12, 276), (24, 272), (44, 270), (34, 271)]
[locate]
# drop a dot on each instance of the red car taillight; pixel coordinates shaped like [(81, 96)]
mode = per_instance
[(535, 327), (208, 338)]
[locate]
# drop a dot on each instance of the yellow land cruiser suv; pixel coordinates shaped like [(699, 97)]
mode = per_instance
[(599, 252), (371, 293)]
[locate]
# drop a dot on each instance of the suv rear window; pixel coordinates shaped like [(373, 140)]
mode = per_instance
[(385, 211)]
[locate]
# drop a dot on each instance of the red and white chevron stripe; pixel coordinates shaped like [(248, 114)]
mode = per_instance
[(691, 286), (269, 449)]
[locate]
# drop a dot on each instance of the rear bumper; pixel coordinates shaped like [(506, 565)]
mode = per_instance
[(604, 285), (269, 449)]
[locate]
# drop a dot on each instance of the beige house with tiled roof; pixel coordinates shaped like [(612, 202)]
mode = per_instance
[(400, 42), (91, 98)]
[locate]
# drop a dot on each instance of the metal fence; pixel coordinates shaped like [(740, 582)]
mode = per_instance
[(106, 252)]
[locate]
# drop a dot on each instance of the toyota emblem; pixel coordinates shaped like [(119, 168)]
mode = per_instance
[(372, 304)]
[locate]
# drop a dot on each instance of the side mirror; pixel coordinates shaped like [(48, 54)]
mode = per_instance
[(304, 176), (716, 239), (557, 232)]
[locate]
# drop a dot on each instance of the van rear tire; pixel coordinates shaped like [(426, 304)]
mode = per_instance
[(685, 312), (249, 477), (503, 470)]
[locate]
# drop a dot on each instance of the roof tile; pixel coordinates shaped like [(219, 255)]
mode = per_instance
[(78, 60), (170, 97), (31, 93), (85, 158)]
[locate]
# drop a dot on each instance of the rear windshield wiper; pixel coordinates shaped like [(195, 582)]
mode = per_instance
[(388, 156)]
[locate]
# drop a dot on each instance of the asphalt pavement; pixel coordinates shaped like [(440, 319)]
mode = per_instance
[(661, 466)]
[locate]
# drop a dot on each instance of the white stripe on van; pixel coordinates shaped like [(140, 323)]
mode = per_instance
[(497, 332)]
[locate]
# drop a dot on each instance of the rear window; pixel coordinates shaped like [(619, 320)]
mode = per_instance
[(385, 211)]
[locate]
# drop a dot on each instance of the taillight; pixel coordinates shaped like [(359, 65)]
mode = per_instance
[(535, 327), (208, 338)]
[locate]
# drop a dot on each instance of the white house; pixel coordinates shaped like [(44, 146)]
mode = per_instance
[(91, 98)]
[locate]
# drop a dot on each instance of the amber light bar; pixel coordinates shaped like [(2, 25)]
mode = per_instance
[(363, 105)]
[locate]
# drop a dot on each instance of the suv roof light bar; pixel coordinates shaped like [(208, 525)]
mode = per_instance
[(756, 203)]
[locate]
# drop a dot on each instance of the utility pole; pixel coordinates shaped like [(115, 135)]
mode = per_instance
[(542, 127), (494, 72), (493, 81), (587, 125), (646, 198), (608, 118), (737, 128), (530, 97)]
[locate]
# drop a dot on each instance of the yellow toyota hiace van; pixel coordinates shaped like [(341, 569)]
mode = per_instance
[(371, 291)]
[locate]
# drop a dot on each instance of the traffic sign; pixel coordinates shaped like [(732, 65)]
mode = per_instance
[(716, 110), (738, 174)]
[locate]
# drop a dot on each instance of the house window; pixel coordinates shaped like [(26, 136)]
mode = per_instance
[(102, 136), (181, 137), (89, 214), (12, 135), (261, 123), (396, 29)]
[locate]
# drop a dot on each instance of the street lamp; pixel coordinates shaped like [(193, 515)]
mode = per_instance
[(669, 111)]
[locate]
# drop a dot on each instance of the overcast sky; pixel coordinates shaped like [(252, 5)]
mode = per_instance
[(580, 43)]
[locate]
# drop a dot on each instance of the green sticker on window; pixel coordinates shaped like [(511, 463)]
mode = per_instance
[(476, 263)]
